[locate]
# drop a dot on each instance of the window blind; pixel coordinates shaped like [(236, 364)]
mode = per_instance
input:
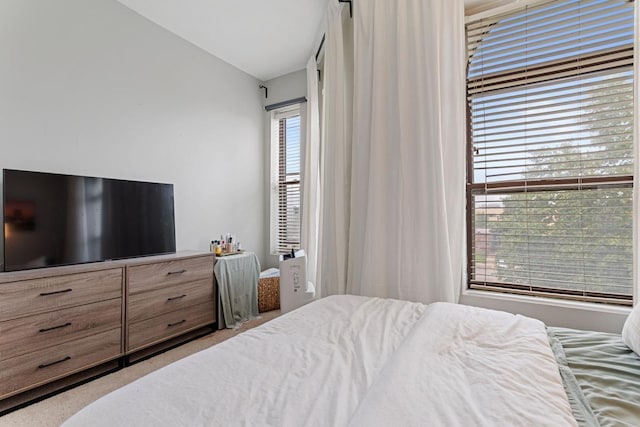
[(289, 184), (550, 163)]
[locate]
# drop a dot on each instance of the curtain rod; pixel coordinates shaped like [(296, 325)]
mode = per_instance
[(350, 6), (320, 47), (285, 103), (324, 35)]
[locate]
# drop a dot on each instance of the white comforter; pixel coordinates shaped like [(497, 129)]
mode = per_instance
[(358, 361)]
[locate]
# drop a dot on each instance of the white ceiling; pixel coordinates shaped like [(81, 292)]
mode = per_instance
[(264, 38)]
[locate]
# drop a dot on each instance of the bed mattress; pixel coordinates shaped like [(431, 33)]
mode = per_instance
[(348, 360)]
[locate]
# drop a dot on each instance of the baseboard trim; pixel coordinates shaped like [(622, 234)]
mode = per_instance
[(154, 350), (46, 391)]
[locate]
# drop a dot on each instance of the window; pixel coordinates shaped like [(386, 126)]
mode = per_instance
[(550, 155), (285, 178)]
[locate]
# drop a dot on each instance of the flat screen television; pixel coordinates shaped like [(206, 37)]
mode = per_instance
[(53, 219)]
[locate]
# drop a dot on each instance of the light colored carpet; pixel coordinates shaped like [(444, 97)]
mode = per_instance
[(55, 410)]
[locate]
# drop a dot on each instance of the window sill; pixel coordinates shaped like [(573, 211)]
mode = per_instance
[(547, 302)]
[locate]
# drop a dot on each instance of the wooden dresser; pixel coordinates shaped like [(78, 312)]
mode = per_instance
[(167, 299), (62, 325), (56, 322)]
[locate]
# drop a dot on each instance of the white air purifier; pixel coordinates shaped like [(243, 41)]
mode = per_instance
[(295, 291)]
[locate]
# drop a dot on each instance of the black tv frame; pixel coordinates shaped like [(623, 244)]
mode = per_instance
[(166, 191)]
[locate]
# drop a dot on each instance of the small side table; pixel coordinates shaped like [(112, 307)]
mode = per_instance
[(237, 277)]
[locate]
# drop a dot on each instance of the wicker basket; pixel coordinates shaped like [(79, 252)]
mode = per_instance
[(268, 294)]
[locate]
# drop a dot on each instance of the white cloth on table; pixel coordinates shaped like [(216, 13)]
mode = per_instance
[(237, 277)]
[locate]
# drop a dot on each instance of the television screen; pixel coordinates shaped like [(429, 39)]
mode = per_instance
[(52, 219)]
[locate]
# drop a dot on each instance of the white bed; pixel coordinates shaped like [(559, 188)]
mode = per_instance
[(348, 360)]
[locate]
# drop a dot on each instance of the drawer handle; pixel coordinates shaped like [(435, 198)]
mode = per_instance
[(178, 297), (176, 324), (64, 291), (55, 327), (46, 365), (177, 272)]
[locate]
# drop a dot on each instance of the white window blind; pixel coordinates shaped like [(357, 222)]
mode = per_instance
[(289, 202), (550, 164)]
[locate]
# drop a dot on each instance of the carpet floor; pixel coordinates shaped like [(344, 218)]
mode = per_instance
[(55, 410)]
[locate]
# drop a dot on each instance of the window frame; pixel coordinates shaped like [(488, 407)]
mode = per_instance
[(278, 166), (552, 184)]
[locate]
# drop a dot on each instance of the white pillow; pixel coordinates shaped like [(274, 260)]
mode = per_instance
[(631, 330)]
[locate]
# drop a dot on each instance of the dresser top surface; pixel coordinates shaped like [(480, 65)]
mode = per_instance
[(14, 276)]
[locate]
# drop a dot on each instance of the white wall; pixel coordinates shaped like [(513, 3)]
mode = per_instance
[(92, 88), (287, 87), (284, 88)]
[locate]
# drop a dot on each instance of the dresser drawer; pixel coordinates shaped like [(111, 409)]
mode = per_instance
[(159, 275), (18, 299), (30, 370), (145, 305), (171, 324), (27, 334)]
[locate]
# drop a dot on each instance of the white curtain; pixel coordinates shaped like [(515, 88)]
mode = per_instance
[(311, 176), (407, 234), (336, 150)]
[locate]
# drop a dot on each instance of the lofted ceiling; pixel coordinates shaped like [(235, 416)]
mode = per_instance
[(264, 38)]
